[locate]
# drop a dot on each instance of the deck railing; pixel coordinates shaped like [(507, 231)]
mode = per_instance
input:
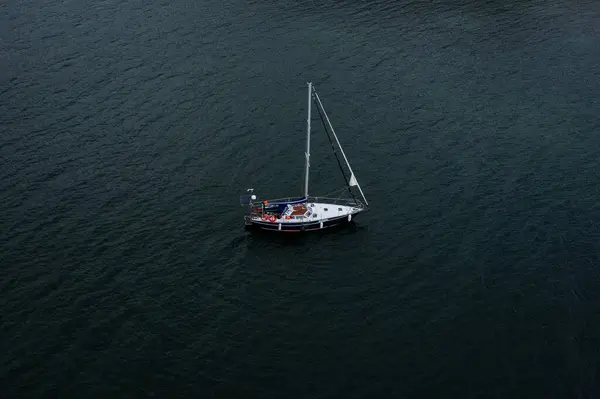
[(338, 201), (253, 206)]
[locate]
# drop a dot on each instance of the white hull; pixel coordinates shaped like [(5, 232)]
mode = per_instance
[(318, 216)]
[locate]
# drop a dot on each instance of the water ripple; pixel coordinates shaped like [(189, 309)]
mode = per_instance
[(131, 128)]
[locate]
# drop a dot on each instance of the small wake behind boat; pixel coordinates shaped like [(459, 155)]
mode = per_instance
[(307, 213)]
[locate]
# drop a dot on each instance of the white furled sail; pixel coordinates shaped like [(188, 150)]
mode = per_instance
[(353, 181)]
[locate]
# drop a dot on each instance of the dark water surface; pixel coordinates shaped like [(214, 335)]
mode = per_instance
[(130, 129)]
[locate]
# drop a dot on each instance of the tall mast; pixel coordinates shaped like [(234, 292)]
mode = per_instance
[(307, 141), (353, 181)]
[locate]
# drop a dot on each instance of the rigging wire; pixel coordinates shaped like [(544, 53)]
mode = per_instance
[(337, 191), (333, 148)]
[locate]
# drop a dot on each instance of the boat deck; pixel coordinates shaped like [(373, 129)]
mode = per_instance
[(305, 213)]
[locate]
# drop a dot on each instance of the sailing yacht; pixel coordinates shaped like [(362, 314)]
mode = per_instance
[(306, 212)]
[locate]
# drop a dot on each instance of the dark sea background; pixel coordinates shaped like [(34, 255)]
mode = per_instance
[(130, 129)]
